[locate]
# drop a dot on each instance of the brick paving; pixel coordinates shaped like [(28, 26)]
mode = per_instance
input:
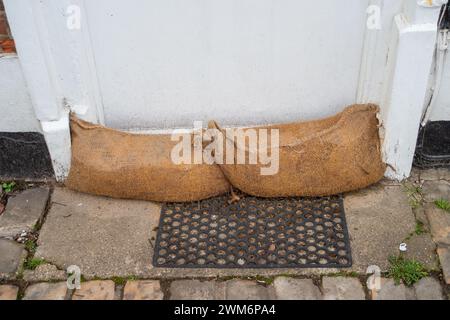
[(46, 291), (282, 288), (113, 239)]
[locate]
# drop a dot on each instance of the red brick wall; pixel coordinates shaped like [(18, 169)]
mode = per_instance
[(3, 23), (6, 43)]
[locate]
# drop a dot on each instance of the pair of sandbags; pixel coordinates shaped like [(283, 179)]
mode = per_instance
[(316, 158)]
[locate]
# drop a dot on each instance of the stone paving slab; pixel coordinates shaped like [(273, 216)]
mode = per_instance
[(105, 237), (44, 272), (46, 291), (434, 174), (248, 290), (342, 288), (95, 290), (8, 292), (422, 248), (143, 290), (296, 289), (390, 291), (379, 219), (435, 190), (23, 212), (444, 258), (197, 290), (12, 255), (439, 224), (428, 289)]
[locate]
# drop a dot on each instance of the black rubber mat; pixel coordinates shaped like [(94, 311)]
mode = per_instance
[(433, 146), (253, 233)]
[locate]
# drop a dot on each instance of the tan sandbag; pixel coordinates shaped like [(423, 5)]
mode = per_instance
[(317, 158), (134, 166)]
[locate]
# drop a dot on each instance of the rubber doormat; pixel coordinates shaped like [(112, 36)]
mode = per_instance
[(433, 146), (253, 233)]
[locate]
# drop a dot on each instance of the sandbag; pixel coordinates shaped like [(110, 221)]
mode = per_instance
[(316, 158), (134, 166)]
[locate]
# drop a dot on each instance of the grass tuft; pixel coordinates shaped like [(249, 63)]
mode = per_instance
[(31, 246), (120, 281), (443, 204), (406, 271), (420, 228), (33, 263), (8, 186), (415, 195)]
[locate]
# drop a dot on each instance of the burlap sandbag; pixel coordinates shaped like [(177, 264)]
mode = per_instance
[(134, 166), (317, 158)]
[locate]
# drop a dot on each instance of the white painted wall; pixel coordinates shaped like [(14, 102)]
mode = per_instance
[(16, 109), (164, 64)]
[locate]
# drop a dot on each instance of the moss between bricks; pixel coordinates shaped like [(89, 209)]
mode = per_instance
[(121, 281)]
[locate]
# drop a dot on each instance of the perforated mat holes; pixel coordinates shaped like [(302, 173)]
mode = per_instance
[(253, 233)]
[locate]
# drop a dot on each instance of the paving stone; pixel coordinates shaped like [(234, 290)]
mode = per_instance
[(435, 190), (390, 291), (23, 212), (430, 175), (421, 216), (439, 224), (379, 218), (342, 288), (248, 290), (44, 272), (444, 173), (46, 291), (143, 290), (105, 237), (444, 258), (197, 290), (95, 290), (435, 174), (428, 289), (296, 289), (423, 249), (8, 292), (11, 257)]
